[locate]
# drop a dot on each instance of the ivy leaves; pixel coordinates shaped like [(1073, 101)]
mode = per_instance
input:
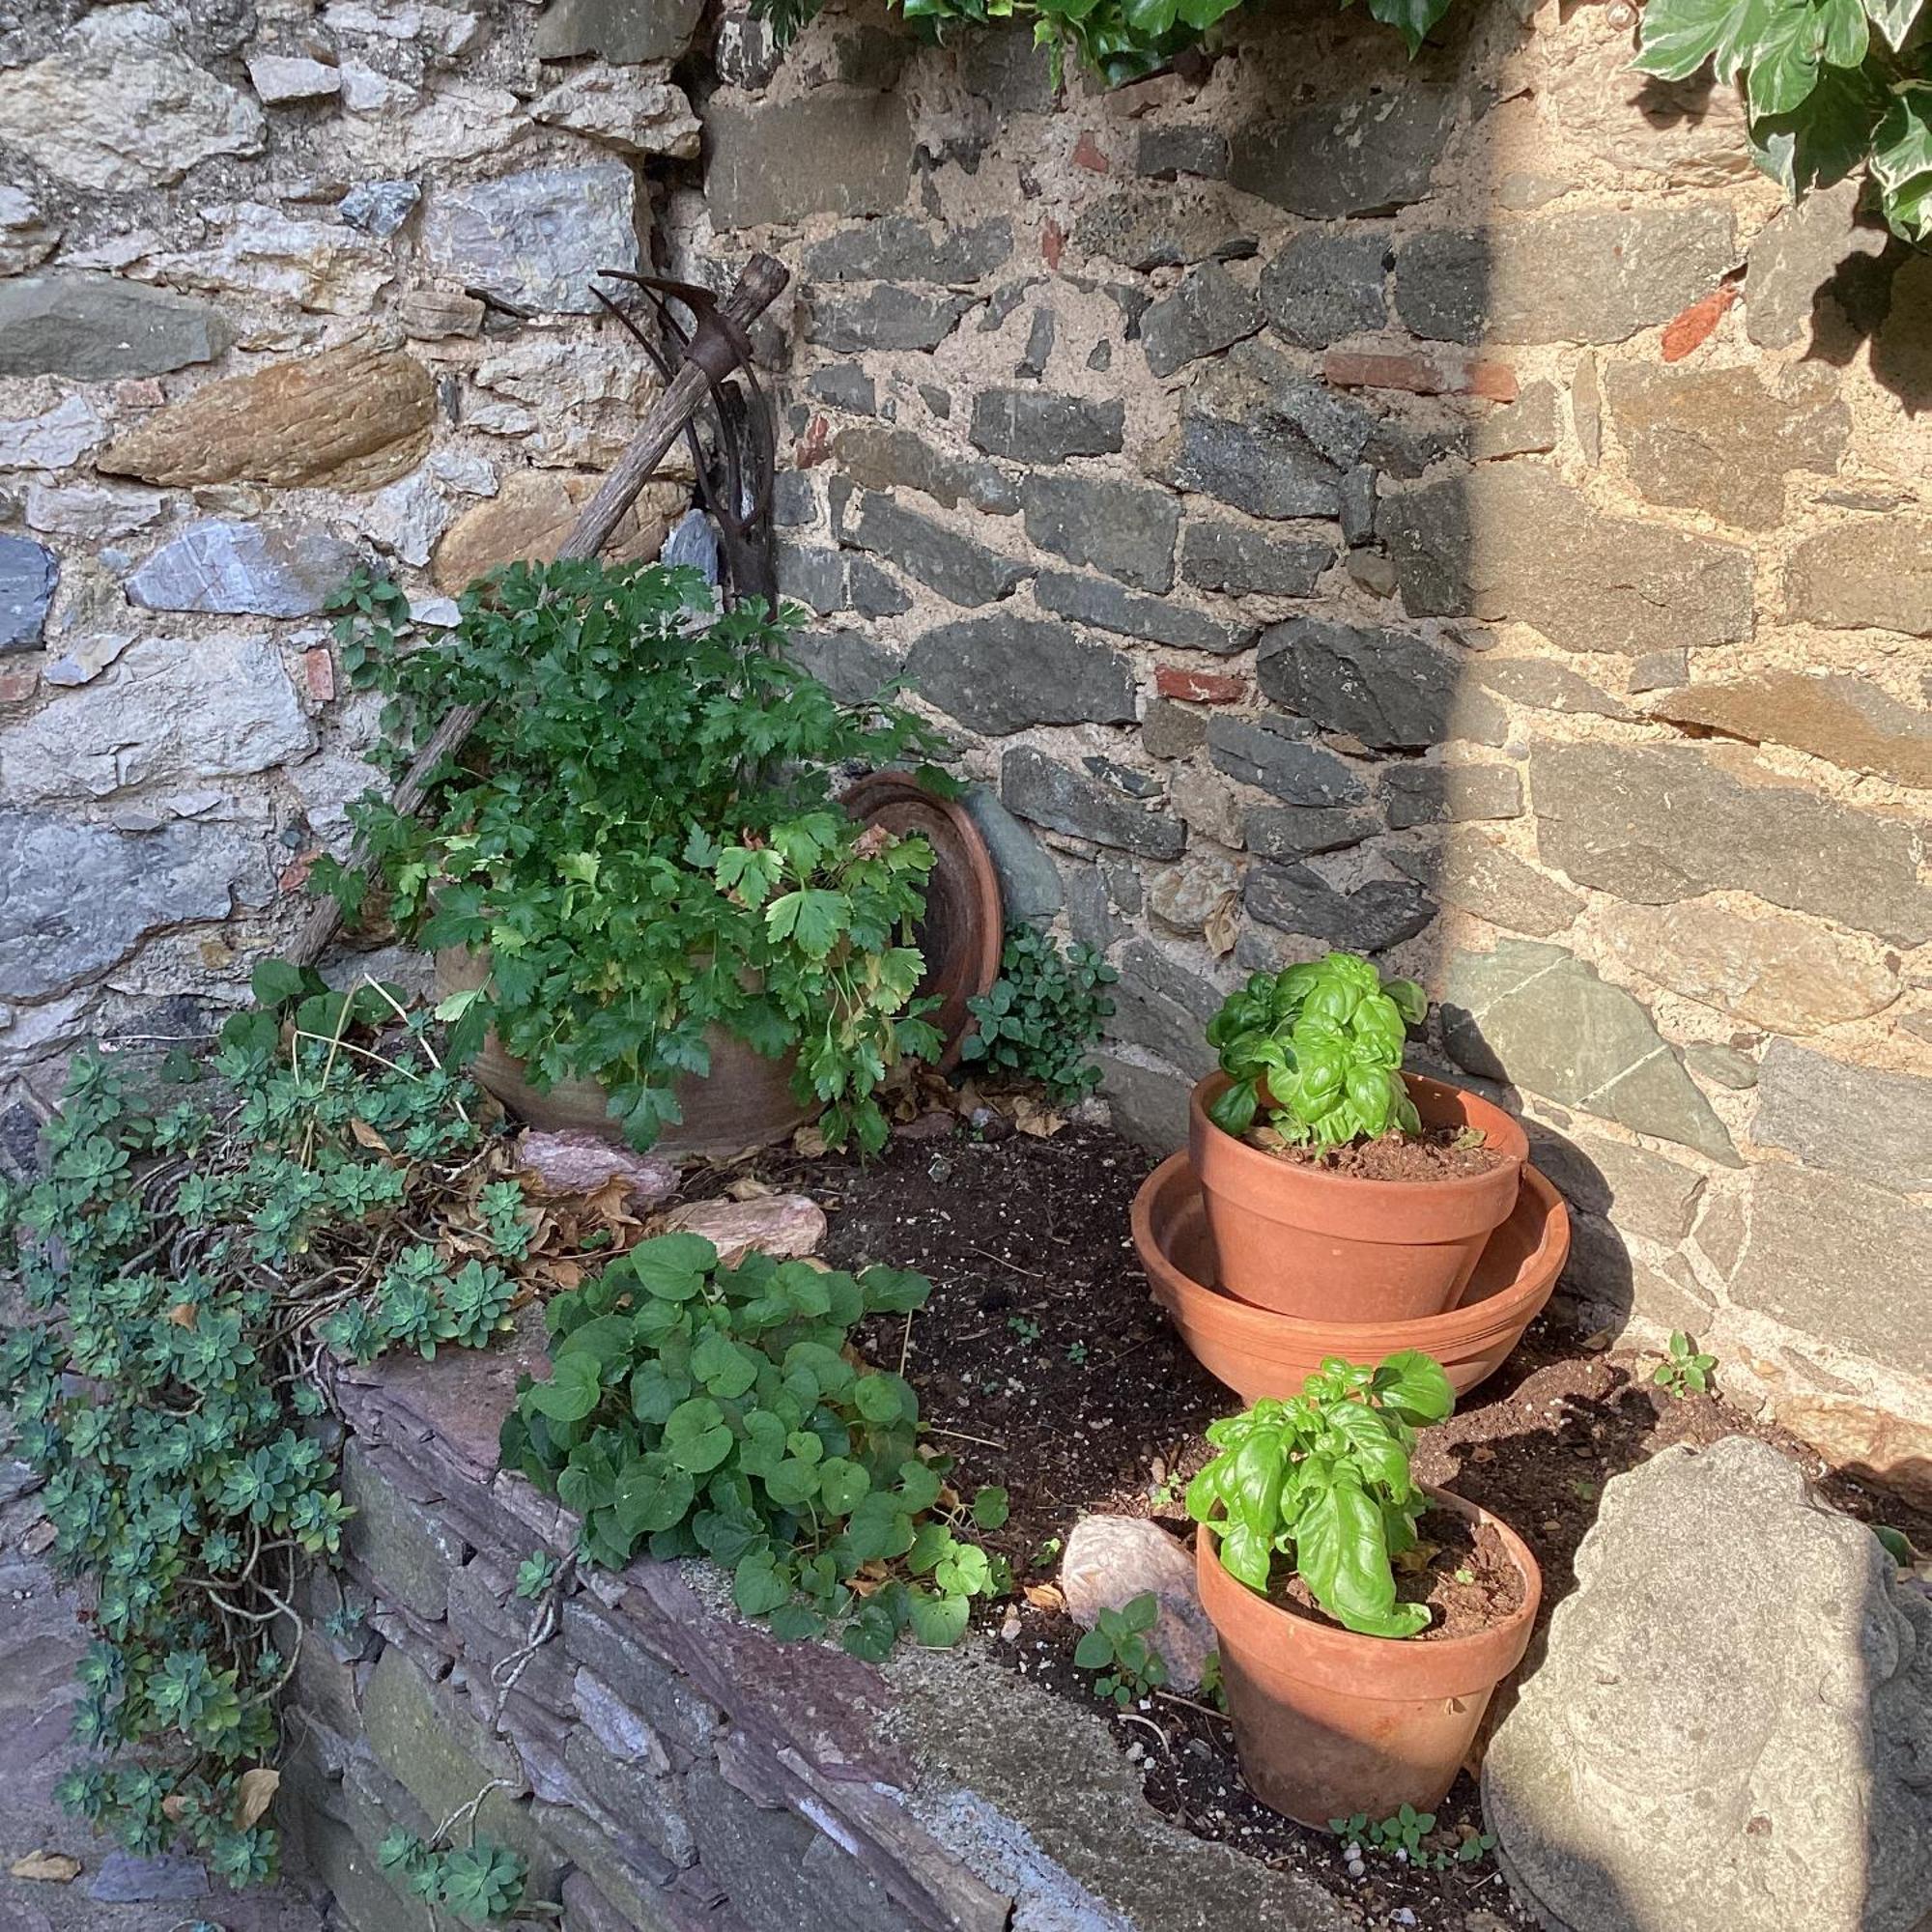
[(1824, 84), (1324, 1480), (693, 1409), (640, 834)]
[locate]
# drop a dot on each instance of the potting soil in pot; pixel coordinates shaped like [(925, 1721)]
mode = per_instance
[(1461, 1570), (1438, 1153)]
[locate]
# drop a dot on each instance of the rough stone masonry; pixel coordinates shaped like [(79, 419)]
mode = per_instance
[(1450, 509)]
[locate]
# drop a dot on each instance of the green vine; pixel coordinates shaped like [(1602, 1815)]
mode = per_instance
[(641, 834), (1832, 88), (184, 1263)]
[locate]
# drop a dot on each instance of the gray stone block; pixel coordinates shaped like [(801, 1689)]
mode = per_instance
[(1035, 787), (1859, 1121), (1221, 555), (1657, 823), (1210, 311), (1372, 918), (903, 248), (1127, 530), (1001, 673), (1327, 284), (28, 575), (962, 571), (1371, 152), (1539, 1018), (884, 316), (1276, 755), (1036, 426), (1439, 794), (92, 328), (1391, 690), (1028, 882), (1588, 276), (407, 1548), (1093, 600), (833, 150)]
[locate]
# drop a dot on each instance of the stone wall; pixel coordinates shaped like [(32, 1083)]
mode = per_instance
[(666, 1767), (1452, 510)]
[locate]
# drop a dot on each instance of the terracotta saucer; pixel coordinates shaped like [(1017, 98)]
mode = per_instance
[(1258, 1352)]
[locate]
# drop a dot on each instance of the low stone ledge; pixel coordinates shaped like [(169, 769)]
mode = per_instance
[(667, 1766)]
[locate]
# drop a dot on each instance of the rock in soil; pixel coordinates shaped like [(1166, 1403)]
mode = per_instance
[(575, 1162), (1727, 1731), (1110, 1560), (783, 1226)]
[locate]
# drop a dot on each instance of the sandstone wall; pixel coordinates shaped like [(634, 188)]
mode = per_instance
[(1451, 510)]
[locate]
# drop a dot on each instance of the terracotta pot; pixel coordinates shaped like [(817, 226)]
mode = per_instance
[(745, 1101), (963, 929), (1328, 1724), (1331, 1247), (1258, 1352)]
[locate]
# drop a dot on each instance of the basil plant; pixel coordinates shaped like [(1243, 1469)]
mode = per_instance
[(1323, 1480), (1315, 1051)]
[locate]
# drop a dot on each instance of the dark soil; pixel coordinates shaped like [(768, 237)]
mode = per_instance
[(1462, 1571), (1436, 1154), (1044, 1365)]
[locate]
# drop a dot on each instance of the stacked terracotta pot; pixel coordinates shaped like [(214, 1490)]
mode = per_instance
[(1267, 1268)]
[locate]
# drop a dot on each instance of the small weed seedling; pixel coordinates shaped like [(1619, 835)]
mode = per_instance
[(1118, 1648), (1076, 1353), (1402, 1834), (478, 1883), (1683, 1371), (536, 1573), (1025, 1327)]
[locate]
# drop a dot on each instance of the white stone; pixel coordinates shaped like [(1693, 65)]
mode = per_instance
[(785, 1225), (169, 710), (1728, 1730), (1110, 1560), (574, 1162), (120, 105), (537, 238), (84, 660), (635, 110), (321, 265), (88, 510), (442, 29), (460, 121), (26, 239), (279, 77), (472, 475), (52, 439), (407, 518), (364, 90)]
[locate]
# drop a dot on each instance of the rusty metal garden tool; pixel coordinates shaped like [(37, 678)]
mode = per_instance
[(714, 348)]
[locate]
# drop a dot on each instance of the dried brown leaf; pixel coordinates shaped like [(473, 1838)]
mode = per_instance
[(1046, 1597), (365, 1135), (183, 1314), (1223, 927)]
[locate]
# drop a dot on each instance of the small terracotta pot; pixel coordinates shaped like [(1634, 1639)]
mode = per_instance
[(1258, 1352), (1332, 1247), (1328, 1724), (745, 1101)]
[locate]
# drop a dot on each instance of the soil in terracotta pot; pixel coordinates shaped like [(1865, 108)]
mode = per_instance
[(1042, 1365), (1461, 1570), (1436, 1154)]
